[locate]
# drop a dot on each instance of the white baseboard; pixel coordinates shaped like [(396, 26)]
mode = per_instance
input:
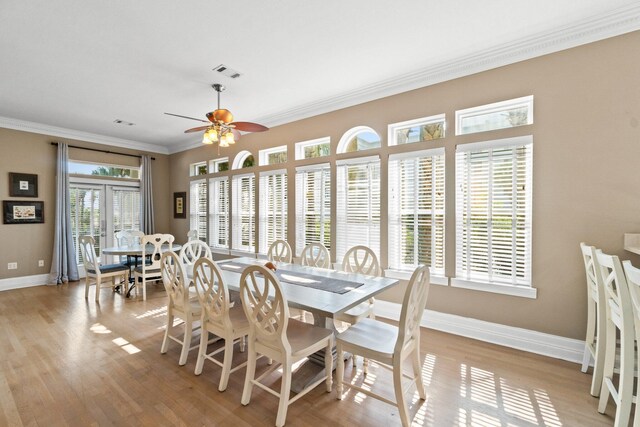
[(522, 339), (23, 282)]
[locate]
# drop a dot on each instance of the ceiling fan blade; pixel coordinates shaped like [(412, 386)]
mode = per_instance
[(249, 127), (186, 117), (236, 134), (198, 129)]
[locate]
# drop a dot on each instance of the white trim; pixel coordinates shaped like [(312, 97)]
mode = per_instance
[(406, 275), (495, 144), (243, 175), (495, 107), (241, 253), (300, 146), (496, 288), (415, 154), (221, 251), (264, 154), (103, 180), (215, 162), (509, 336), (348, 135), (55, 131), (23, 282), (393, 127), (358, 160), (313, 167), (240, 158), (273, 172)]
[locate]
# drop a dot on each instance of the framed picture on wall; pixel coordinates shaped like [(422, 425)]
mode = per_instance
[(22, 212), (179, 205), (23, 185)]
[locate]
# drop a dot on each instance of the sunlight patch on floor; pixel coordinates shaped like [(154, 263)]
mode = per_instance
[(160, 311), (99, 328), (126, 345)]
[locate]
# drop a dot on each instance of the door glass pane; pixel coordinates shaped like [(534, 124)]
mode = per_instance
[(85, 216), (126, 210)]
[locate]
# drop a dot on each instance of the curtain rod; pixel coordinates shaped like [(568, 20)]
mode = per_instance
[(103, 151)]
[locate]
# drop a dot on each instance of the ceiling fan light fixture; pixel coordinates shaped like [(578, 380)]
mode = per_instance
[(229, 139), (212, 134), (223, 142)]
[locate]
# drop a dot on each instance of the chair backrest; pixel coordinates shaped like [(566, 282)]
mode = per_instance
[(265, 307), (616, 289), (128, 237), (155, 250), (415, 300), (194, 250), (173, 275), (280, 251), (361, 259), (596, 304), (89, 258), (192, 235), (212, 293), (315, 255), (633, 280)]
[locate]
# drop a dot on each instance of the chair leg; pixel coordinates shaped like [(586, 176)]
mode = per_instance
[(353, 360), (328, 364), (609, 361), (285, 391), (98, 284), (397, 386), (87, 283), (226, 364), (144, 288), (243, 343), (417, 372), (339, 372), (250, 375), (625, 387), (586, 358), (186, 340), (202, 350), (165, 341)]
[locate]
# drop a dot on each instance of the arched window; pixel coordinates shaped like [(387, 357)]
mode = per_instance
[(244, 159), (357, 139)]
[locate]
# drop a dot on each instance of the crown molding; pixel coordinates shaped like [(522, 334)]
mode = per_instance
[(23, 125), (617, 22)]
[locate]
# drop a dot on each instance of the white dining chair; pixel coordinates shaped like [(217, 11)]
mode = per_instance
[(619, 319), (194, 250), (390, 345), (128, 238), (192, 235), (150, 268), (282, 339), (315, 255), (96, 273), (633, 280), (220, 317), (280, 251), (596, 318), (179, 303), (360, 259)]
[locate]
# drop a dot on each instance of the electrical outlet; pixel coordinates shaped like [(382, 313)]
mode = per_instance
[(41, 263), (12, 266)]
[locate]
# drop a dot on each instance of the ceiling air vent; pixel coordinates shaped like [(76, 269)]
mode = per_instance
[(122, 122), (226, 71)]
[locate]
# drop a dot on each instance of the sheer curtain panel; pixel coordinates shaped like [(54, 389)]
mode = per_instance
[(146, 196)]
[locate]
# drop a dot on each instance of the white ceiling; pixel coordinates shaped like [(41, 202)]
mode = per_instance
[(69, 68)]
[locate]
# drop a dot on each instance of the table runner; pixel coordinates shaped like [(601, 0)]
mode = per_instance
[(323, 283)]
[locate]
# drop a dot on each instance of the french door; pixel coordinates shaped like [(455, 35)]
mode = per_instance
[(100, 208)]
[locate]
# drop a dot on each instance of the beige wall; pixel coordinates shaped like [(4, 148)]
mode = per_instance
[(586, 163), (33, 153)]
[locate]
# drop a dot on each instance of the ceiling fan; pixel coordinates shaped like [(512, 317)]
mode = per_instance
[(221, 128)]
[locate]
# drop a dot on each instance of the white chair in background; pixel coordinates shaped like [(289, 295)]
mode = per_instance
[(360, 259), (192, 235), (179, 303), (150, 269), (390, 345), (315, 255), (273, 334), (280, 251), (194, 250), (596, 318), (219, 317), (633, 280), (96, 272), (619, 318)]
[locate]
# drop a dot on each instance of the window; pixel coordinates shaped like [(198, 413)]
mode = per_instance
[(418, 130), (499, 115), (198, 208), (244, 159), (493, 212), (273, 156), (243, 219), (126, 209), (96, 169), (358, 204), (198, 169), (219, 212), (313, 206), (320, 147), (273, 208), (416, 210), (220, 165), (358, 139)]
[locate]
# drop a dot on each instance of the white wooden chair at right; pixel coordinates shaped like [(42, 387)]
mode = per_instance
[(619, 318), (280, 251), (96, 272), (192, 235), (179, 304), (150, 270), (633, 280), (275, 335), (315, 255), (219, 317), (193, 250), (390, 345), (360, 259)]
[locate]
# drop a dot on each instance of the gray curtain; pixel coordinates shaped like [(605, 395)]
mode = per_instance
[(63, 262), (146, 194)]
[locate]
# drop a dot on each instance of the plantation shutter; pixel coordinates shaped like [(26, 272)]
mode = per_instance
[(198, 208), (358, 204), (244, 212), (493, 211), (126, 209), (273, 208), (313, 206), (219, 212), (417, 210)]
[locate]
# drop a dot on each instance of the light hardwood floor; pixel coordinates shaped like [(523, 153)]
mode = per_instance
[(65, 360)]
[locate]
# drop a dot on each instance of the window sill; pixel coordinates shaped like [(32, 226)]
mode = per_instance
[(238, 252), (406, 275), (516, 291), (221, 251)]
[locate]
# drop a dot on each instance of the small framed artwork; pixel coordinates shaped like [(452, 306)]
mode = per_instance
[(179, 202), (23, 185), (23, 212)]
